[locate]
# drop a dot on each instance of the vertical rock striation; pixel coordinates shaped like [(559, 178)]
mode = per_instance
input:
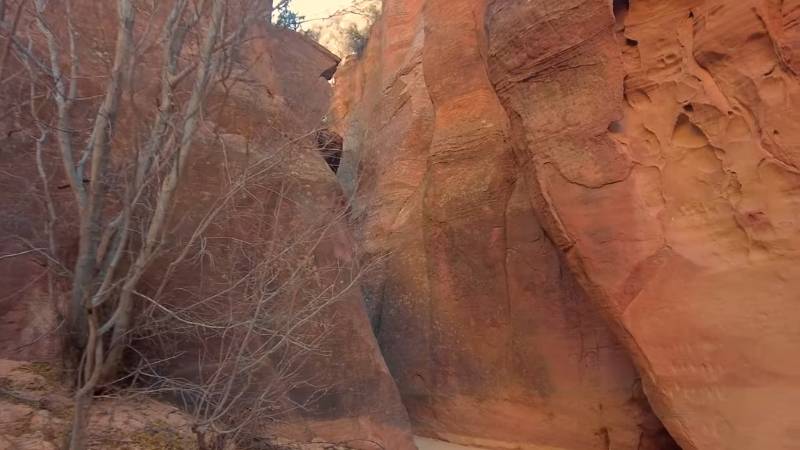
[(535, 173), (489, 336)]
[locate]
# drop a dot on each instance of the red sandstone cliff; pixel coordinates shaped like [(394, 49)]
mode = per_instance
[(585, 214), (257, 120), (541, 173)]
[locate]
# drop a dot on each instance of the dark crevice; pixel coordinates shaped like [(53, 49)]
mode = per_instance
[(330, 144), (621, 6), (329, 72)]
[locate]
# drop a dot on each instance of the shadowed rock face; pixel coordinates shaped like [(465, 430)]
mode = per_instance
[(269, 114), (540, 172)]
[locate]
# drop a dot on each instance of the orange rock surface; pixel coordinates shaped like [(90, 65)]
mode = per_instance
[(540, 172), (489, 336)]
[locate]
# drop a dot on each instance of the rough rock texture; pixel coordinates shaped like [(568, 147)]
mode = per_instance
[(490, 338), (499, 151), (35, 413), (269, 115), (668, 174)]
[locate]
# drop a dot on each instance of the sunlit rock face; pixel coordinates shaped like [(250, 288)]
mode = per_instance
[(576, 199)]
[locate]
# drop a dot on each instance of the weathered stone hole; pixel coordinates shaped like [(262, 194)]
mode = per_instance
[(615, 127), (631, 42), (688, 107), (330, 145), (687, 134)]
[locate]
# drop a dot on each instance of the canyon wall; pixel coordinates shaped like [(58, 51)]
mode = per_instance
[(257, 121), (576, 204)]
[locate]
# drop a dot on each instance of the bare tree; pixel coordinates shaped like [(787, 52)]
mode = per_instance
[(124, 188), (259, 326)]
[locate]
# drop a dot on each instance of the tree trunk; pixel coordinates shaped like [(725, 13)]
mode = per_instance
[(80, 421)]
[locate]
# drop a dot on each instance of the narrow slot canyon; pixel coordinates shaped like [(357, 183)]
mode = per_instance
[(399, 225)]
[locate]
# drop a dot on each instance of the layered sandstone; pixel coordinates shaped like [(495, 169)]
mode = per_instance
[(489, 336), (538, 172), (681, 216)]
